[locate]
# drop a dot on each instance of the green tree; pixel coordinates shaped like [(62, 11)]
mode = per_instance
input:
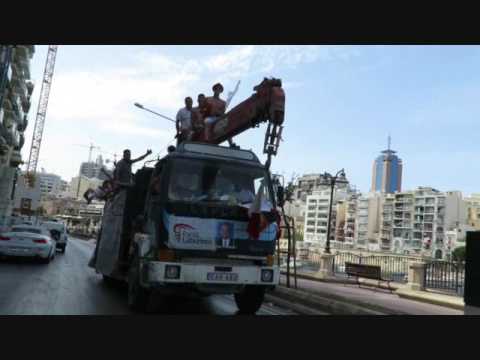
[(459, 254)]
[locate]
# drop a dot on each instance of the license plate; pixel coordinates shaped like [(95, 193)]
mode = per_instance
[(216, 276), (19, 249)]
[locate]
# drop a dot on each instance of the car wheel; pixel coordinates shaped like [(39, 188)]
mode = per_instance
[(62, 250), (46, 260)]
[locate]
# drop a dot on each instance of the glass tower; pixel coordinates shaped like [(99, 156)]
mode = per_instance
[(387, 172)]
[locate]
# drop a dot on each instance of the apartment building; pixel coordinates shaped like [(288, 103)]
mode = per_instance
[(473, 211), (15, 93), (78, 186), (93, 169), (367, 221), (415, 221), (317, 216), (51, 185)]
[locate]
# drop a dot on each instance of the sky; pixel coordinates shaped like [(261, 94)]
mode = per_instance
[(342, 102)]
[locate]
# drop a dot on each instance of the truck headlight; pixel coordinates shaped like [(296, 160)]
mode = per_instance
[(267, 275), (172, 272)]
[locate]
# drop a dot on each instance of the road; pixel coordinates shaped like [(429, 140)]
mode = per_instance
[(67, 286)]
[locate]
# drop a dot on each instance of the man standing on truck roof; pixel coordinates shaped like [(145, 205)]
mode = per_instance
[(215, 108), (184, 121), (198, 115), (123, 170)]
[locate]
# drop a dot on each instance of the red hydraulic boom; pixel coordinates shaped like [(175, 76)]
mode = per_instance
[(267, 104)]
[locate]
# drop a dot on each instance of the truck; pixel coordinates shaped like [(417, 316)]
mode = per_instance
[(204, 219)]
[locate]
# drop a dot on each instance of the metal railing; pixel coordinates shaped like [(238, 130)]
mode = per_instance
[(394, 267), (446, 276)]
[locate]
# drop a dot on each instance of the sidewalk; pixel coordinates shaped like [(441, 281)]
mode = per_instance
[(340, 298)]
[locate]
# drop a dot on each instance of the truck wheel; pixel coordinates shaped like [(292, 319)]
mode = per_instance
[(138, 296), (250, 299)]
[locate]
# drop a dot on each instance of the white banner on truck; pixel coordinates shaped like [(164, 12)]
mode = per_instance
[(204, 234)]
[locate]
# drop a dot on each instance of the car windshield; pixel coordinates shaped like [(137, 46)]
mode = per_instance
[(218, 182), (26, 229), (55, 226)]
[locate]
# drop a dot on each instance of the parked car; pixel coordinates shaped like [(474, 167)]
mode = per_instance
[(58, 230), (28, 241)]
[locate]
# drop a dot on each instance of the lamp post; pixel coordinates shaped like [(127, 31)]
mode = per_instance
[(332, 181), (140, 106)]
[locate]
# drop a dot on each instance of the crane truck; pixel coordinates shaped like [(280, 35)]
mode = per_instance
[(204, 219)]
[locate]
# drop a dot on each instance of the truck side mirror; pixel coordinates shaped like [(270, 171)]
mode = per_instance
[(280, 196)]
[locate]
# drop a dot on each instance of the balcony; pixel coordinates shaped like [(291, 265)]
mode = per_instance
[(15, 159), (19, 88), (398, 215), (9, 72), (416, 244)]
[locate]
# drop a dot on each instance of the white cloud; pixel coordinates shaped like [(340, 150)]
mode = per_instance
[(104, 100)]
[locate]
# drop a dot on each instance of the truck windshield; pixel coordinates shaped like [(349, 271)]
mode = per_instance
[(218, 182)]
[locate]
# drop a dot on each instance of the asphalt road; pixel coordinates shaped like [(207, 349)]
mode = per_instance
[(67, 286)]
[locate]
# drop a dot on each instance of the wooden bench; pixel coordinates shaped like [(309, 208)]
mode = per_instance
[(366, 271)]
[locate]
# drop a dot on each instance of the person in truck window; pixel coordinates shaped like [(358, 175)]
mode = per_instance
[(185, 189), (122, 174), (184, 121)]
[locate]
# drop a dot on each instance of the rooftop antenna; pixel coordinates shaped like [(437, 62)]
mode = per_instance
[(389, 141)]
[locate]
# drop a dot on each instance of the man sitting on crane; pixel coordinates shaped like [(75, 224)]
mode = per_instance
[(198, 115), (215, 107)]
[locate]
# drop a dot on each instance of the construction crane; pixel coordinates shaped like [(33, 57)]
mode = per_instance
[(90, 147), (41, 114), (99, 149)]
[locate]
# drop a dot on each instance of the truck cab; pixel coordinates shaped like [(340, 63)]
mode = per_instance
[(203, 220)]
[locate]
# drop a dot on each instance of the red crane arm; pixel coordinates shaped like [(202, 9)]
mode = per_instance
[(267, 104)]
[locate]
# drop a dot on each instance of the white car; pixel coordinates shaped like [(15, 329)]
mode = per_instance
[(28, 241), (58, 231)]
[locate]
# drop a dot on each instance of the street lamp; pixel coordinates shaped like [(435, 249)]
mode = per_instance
[(332, 181), (140, 106)]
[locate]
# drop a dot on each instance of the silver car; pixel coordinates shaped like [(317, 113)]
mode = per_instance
[(28, 241)]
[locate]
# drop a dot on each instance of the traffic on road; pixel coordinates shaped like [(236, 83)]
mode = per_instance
[(67, 286)]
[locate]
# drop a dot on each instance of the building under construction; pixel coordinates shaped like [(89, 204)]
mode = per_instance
[(15, 100)]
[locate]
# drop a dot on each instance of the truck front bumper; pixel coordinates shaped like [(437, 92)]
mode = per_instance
[(159, 273)]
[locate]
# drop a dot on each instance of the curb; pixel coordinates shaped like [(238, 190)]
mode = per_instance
[(330, 304), (398, 290), (410, 295), (296, 307), (393, 285)]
